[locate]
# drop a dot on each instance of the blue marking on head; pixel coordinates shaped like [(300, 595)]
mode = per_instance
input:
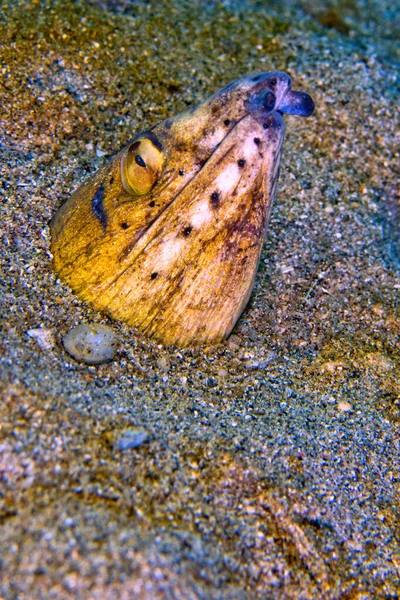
[(272, 92), (98, 206), (261, 103)]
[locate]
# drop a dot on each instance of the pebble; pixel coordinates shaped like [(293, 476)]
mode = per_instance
[(254, 365), (91, 343), (163, 364), (131, 438), (344, 406)]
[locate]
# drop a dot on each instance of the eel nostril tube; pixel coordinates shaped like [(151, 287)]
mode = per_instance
[(297, 103)]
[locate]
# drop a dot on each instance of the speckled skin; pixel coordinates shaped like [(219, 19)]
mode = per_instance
[(179, 262)]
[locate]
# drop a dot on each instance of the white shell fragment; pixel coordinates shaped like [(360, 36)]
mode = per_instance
[(43, 337), (92, 344)]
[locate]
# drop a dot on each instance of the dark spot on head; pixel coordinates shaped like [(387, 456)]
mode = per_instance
[(257, 141), (182, 172), (179, 147), (241, 162), (168, 123), (273, 82), (154, 276), (214, 199), (257, 77), (266, 125), (152, 203), (214, 108), (227, 122), (139, 161), (111, 180), (187, 231), (98, 206), (124, 225)]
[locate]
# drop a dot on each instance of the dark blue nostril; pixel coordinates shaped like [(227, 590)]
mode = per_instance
[(261, 102), (269, 101)]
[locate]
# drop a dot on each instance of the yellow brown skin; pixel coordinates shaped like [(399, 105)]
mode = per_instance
[(167, 236)]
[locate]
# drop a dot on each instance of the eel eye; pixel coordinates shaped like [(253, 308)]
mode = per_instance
[(141, 165)]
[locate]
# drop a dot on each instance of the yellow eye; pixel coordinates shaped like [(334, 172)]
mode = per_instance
[(141, 166)]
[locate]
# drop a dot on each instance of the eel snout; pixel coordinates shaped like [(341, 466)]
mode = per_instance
[(273, 92)]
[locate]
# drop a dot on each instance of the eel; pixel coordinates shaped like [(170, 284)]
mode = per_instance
[(167, 236)]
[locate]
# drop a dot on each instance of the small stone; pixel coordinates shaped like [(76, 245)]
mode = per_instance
[(379, 362), (344, 406), (130, 438), (92, 344), (234, 342), (332, 366), (260, 364), (43, 337), (163, 364)]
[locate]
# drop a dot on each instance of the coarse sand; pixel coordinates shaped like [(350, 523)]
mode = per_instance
[(266, 467)]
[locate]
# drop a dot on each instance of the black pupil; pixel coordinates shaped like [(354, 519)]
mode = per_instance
[(139, 161)]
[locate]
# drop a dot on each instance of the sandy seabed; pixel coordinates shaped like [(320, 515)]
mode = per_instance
[(268, 465)]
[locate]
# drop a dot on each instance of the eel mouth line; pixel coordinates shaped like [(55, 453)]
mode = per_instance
[(226, 136)]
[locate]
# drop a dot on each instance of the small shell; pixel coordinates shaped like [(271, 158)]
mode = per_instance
[(43, 337), (92, 344)]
